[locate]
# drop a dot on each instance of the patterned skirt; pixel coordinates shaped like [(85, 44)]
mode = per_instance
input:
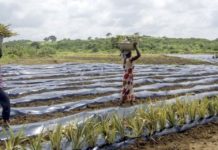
[(127, 89)]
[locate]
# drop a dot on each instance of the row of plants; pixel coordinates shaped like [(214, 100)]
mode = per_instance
[(103, 131)]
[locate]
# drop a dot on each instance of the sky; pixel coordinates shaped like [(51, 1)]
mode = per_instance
[(79, 19)]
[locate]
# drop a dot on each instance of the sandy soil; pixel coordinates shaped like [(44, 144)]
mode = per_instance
[(204, 137)]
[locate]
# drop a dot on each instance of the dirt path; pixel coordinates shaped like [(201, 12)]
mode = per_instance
[(203, 137)]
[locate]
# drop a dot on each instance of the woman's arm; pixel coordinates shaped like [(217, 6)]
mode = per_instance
[(138, 54), (124, 63)]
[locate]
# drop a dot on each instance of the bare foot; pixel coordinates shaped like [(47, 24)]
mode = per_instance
[(121, 103), (132, 102)]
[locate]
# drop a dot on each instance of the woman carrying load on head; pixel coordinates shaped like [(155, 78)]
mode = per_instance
[(127, 92)]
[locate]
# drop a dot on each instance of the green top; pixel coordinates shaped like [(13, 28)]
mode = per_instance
[(5, 31)]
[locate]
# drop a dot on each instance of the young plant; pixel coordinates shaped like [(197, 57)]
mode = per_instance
[(150, 118), (180, 112), (216, 105), (202, 110), (108, 130), (162, 117), (55, 138), (91, 132), (14, 141), (136, 125), (211, 108), (192, 110), (74, 133), (171, 116), (119, 125), (36, 142)]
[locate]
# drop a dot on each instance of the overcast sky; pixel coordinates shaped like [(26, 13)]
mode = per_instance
[(36, 19)]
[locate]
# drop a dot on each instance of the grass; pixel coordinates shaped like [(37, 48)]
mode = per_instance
[(110, 127), (62, 57)]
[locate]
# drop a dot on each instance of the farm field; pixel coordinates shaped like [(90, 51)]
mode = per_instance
[(43, 96), (108, 75)]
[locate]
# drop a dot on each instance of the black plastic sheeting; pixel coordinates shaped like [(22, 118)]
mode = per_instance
[(122, 144), (43, 82), (105, 89), (36, 128), (84, 103)]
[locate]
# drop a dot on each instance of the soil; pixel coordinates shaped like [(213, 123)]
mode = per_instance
[(203, 137)]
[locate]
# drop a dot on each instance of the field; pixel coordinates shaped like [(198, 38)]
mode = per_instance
[(43, 96)]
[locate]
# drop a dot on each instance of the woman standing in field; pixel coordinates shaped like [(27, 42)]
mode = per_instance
[(128, 66), (4, 100)]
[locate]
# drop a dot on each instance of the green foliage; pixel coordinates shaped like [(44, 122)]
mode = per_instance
[(91, 132), (55, 138), (35, 143), (108, 130), (24, 48), (192, 110), (202, 110), (119, 125), (75, 134), (136, 125), (150, 118), (171, 116), (162, 117), (5, 31), (180, 108), (15, 140)]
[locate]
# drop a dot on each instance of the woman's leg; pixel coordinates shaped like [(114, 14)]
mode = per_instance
[(5, 103), (123, 99)]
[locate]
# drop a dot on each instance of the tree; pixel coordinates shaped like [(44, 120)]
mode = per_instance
[(136, 34), (89, 38), (35, 44), (108, 34), (46, 39), (114, 42), (52, 38)]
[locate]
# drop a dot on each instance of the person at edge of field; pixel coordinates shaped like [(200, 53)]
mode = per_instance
[(127, 92), (4, 100)]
